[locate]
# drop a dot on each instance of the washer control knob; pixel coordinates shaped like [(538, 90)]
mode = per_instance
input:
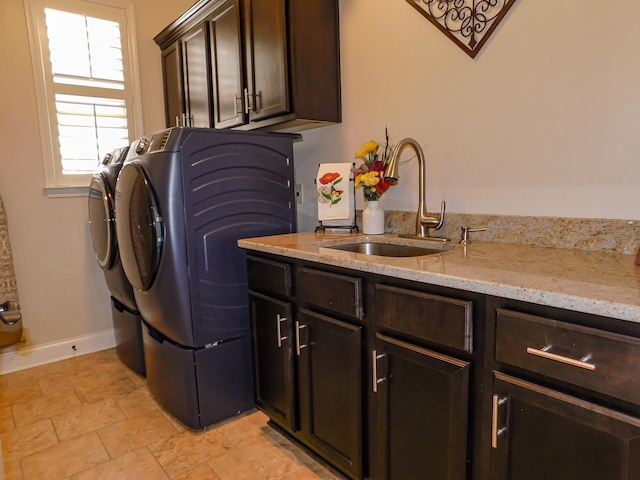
[(143, 146)]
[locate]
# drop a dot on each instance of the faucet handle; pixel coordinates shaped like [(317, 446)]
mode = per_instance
[(442, 208), (464, 237)]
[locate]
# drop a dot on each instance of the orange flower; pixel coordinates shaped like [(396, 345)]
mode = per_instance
[(328, 177)]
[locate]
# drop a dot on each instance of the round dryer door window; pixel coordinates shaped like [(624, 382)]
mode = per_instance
[(101, 222), (139, 226)]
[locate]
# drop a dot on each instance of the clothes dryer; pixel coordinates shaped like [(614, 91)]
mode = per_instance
[(183, 199), (127, 322)]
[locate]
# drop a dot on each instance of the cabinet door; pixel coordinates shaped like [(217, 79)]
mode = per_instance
[(541, 433), (330, 373), (422, 400), (196, 77), (266, 53), (271, 325), (226, 66), (173, 92)]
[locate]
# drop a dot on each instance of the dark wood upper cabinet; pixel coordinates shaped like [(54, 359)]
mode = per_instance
[(266, 59), (269, 64), (173, 90), (195, 78), (227, 67)]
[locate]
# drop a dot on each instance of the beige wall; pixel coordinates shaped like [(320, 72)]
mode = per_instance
[(543, 121), (62, 290)]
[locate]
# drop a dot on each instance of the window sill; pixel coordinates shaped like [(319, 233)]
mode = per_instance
[(61, 192)]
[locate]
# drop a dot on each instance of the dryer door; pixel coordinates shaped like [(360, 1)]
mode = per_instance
[(101, 221), (138, 225)]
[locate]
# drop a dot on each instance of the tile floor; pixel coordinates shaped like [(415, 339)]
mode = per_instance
[(92, 418)]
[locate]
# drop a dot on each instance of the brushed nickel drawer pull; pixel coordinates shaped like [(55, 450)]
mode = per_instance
[(376, 380), (495, 431), (299, 346), (545, 353), (279, 320)]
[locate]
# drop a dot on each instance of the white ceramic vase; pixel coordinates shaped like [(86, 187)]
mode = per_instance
[(373, 218)]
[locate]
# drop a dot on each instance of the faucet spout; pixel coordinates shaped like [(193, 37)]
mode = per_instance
[(424, 221)]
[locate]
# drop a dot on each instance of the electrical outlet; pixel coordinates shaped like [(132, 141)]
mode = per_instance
[(299, 197)]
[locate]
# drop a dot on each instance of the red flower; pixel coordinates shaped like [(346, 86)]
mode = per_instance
[(328, 177)]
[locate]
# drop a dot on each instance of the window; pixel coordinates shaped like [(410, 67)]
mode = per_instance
[(85, 83)]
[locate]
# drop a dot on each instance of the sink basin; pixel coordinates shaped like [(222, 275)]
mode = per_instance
[(386, 249)]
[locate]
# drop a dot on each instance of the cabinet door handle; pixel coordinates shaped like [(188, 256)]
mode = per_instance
[(248, 101), (495, 430), (237, 98), (178, 121), (374, 369), (279, 320), (545, 352), (299, 346)]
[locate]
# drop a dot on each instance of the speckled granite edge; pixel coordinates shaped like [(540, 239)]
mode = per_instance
[(595, 235)]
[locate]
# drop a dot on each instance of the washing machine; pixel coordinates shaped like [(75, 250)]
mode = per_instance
[(183, 199), (127, 322)]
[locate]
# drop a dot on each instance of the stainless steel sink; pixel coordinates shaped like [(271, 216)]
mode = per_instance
[(386, 249)]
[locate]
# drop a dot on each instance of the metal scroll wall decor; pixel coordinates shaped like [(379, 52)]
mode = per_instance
[(469, 23)]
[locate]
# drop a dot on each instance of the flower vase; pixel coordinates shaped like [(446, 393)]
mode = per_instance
[(372, 218)]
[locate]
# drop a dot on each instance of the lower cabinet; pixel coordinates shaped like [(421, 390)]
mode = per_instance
[(387, 379), (541, 433), (272, 332), (308, 373), (550, 413), (422, 409), (330, 381)]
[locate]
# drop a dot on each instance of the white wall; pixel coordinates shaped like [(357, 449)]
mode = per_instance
[(542, 122), (62, 291)]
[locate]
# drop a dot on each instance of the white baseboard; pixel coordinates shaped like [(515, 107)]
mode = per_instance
[(52, 352)]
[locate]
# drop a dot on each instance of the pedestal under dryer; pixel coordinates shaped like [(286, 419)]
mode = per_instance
[(127, 322), (183, 199)]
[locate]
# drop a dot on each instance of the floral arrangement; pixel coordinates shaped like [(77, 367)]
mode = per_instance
[(370, 174)]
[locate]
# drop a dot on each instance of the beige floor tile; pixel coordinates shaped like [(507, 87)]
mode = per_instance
[(28, 439), (65, 459), (66, 380), (108, 364), (137, 402), (18, 388), (258, 460), (137, 465), (105, 388), (244, 429), (117, 415), (44, 407), (129, 435), (86, 419), (6, 419), (203, 472), (12, 470), (185, 451)]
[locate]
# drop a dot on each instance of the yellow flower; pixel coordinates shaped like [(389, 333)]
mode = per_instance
[(369, 179), (369, 147)]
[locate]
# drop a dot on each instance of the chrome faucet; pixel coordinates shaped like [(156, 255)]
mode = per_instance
[(424, 221)]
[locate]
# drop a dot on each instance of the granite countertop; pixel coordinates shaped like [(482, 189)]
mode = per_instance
[(600, 283)]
